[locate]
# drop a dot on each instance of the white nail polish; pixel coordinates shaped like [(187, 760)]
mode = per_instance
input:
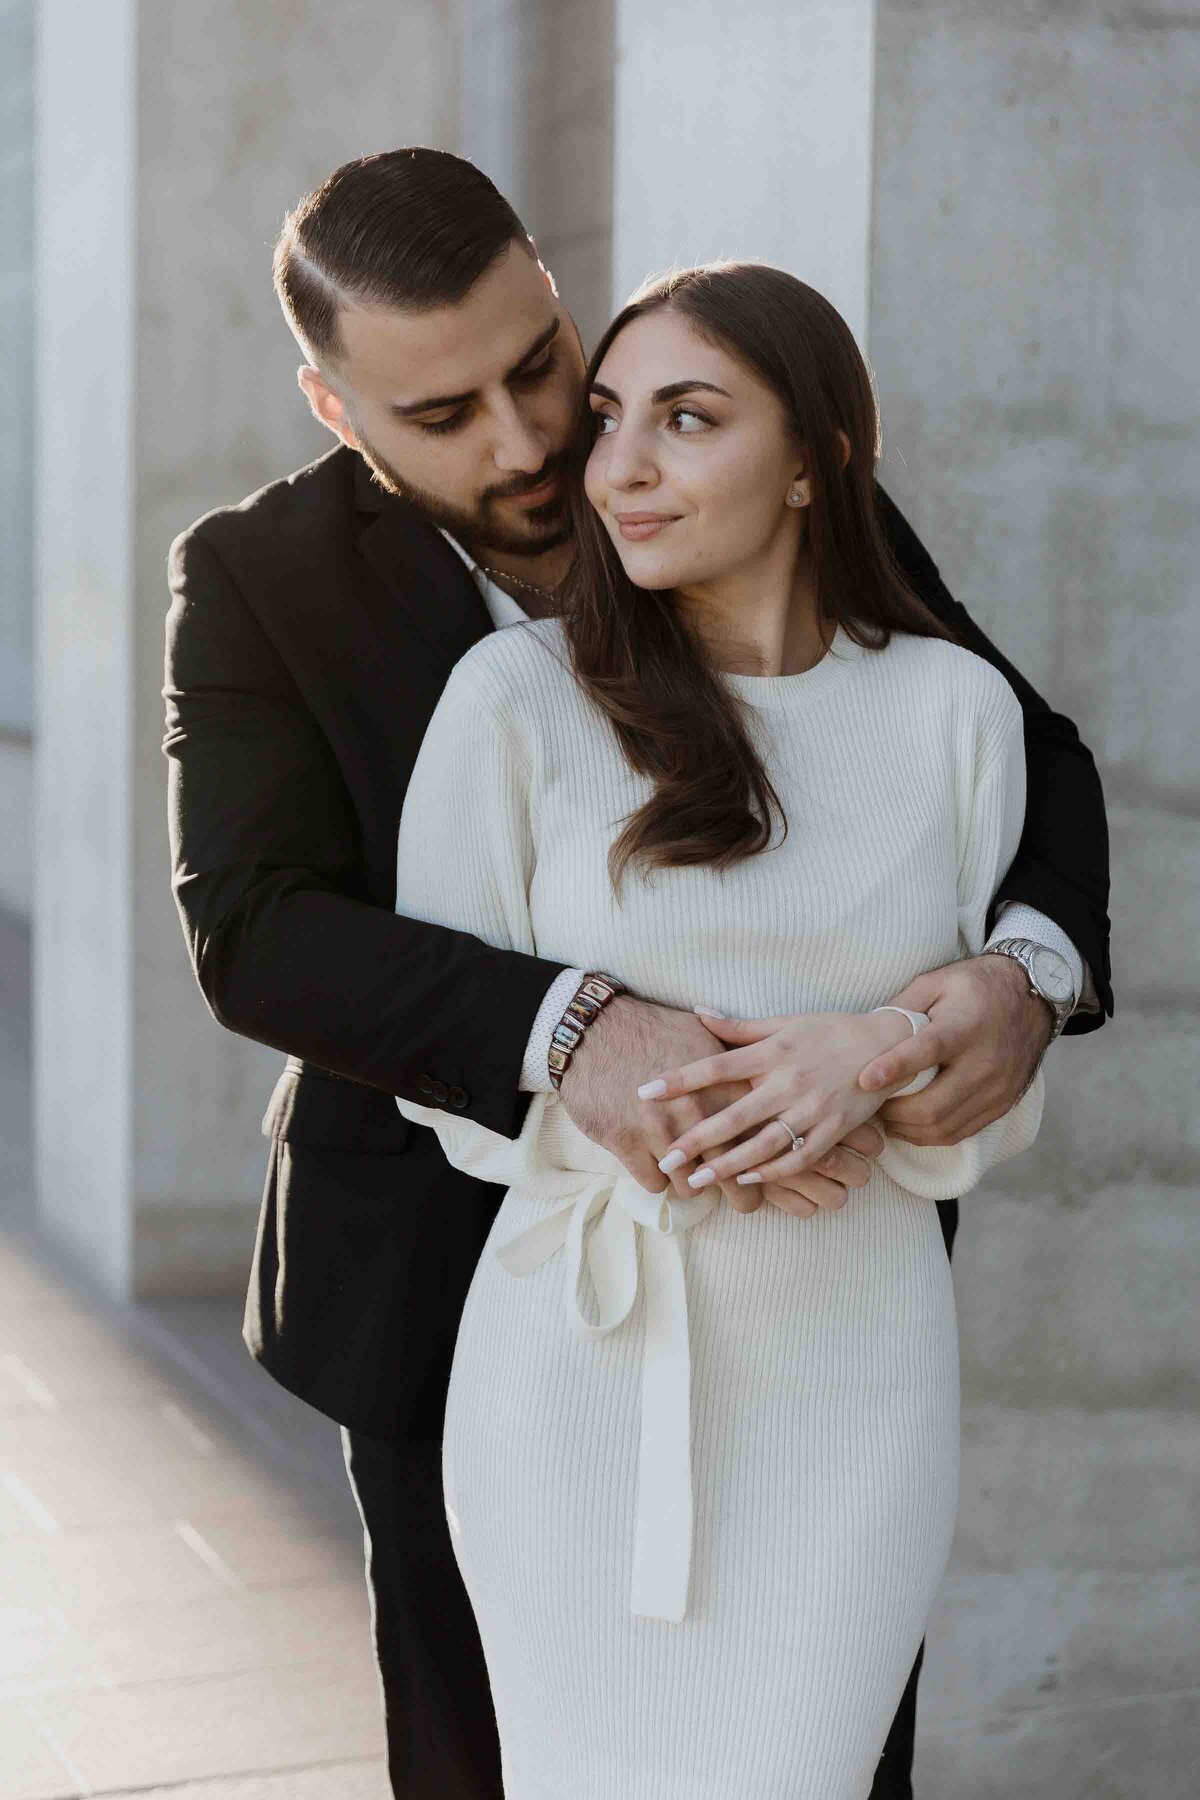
[(709, 1012), (672, 1160), (701, 1178), (749, 1179), (652, 1090)]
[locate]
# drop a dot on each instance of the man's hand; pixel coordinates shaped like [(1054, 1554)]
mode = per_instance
[(630, 1043), (988, 1032)]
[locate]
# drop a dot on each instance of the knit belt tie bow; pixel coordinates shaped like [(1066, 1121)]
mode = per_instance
[(663, 1531)]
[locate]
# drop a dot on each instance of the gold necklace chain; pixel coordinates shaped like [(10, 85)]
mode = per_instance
[(531, 587)]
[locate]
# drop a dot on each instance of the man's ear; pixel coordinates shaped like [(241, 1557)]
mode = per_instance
[(546, 271), (327, 406)]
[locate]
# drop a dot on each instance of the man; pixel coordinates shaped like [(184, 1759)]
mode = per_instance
[(311, 631)]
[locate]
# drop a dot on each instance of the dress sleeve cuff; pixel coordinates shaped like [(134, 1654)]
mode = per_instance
[(1015, 919), (535, 1072)]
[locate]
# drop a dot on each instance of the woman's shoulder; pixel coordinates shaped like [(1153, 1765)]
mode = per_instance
[(947, 674), (517, 662)]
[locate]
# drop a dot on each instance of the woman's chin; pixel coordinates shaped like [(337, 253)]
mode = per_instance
[(648, 569)]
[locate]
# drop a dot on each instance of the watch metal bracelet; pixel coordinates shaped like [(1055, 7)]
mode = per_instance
[(1024, 951)]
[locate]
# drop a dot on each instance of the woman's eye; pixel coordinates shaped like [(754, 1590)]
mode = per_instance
[(699, 421), (601, 423)]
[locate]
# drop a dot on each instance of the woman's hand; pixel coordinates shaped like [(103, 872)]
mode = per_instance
[(804, 1069), (632, 1038)]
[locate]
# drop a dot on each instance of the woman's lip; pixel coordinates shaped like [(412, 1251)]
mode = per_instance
[(642, 525), (540, 495)]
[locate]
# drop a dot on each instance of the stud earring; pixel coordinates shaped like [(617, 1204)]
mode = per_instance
[(795, 497)]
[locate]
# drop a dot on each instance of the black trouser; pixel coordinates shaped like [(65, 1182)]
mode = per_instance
[(441, 1727)]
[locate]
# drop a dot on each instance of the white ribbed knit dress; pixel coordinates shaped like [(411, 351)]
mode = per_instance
[(701, 1467)]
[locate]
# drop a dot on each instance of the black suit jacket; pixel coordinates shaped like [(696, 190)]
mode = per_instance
[(311, 631)]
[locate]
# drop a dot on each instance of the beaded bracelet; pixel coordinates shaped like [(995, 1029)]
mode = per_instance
[(591, 997)]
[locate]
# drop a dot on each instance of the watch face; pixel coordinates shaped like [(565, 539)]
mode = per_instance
[(1052, 974)]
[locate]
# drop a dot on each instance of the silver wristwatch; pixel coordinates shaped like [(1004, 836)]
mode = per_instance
[(1049, 975)]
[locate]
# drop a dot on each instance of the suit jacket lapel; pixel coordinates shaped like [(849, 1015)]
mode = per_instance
[(419, 572)]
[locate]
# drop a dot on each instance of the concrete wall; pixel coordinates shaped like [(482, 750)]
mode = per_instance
[(746, 132), (1034, 272), (16, 825)]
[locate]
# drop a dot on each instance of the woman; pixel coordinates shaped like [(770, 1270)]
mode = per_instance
[(701, 1525)]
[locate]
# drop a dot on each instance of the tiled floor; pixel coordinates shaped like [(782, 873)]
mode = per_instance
[(182, 1608), (181, 1596)]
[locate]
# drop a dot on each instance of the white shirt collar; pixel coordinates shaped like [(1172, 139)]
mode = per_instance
[(502, 608)]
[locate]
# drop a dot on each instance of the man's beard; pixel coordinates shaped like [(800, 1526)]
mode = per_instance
[(547, 527)]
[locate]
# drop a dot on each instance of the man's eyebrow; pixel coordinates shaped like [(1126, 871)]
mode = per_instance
[(433, 404), (671, 392)]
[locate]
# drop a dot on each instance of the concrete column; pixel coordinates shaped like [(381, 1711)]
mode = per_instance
[(536, 112), (172, 138), (745, 133), (16, 463), (83, 884)]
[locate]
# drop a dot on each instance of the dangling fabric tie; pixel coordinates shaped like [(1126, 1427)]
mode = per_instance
[(622, 1208)]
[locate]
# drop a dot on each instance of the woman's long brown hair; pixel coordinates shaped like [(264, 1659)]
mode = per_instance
[(634, 651)]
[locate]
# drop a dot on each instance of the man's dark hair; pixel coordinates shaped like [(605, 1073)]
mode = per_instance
[(412, 228)]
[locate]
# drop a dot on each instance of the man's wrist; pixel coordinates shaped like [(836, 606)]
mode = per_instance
[(1017, 919), (591, 997), (1040, 1012), (1047, 974)]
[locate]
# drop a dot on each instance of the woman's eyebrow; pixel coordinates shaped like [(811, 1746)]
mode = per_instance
[(662, 394), (671, 392)]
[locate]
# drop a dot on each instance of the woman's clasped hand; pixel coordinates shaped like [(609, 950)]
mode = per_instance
[(803, 1075)]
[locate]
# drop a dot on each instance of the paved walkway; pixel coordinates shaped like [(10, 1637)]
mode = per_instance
[(182, 1609)]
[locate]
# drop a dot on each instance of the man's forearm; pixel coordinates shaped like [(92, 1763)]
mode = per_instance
[(357, 990)]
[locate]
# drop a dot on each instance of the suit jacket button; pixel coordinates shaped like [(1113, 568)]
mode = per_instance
[(458, 1096), (424, 1084), (441, 1092)]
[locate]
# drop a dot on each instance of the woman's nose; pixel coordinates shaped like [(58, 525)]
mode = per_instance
[(630, 464)]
